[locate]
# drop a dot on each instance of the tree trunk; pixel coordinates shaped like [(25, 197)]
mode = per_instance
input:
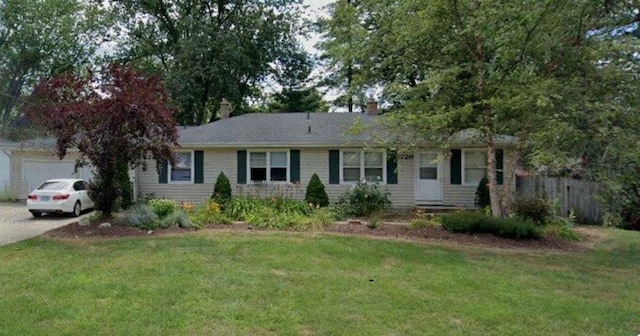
[(496, 208)]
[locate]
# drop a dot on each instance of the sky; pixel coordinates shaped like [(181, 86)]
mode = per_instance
[(315, 7)]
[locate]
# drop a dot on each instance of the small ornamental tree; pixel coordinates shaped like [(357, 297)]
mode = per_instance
[(118, 121), (222, 189), (483, 197), (315, 192)]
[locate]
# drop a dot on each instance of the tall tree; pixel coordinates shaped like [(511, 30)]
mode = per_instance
[(41, 39), (501, 67), (293, 72), (342, 38), (120, 121), (209, 50)]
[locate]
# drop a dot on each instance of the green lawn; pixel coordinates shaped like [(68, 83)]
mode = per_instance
[(270, 283)]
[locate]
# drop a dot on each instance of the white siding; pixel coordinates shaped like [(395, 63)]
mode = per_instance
[(215, 161), (313, 160), (5, 171)]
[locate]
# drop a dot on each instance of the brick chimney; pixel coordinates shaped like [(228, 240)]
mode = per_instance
[(372, 106), (225, 109)]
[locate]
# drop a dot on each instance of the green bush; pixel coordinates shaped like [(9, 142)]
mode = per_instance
[(207, 213), (177, 218), (278, 213), (477, 222), (419, 223), (162, 207), (483, 198), (140, 216), (126, 188), (315, 193), (222, 189), (364, 199), (536, 209)]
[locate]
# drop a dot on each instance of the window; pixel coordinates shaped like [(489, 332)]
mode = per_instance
[(475, 166), (363, 165), (183, 171), (268, 166)]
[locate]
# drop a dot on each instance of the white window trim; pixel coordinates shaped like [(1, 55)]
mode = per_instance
[(362, 167), (268, 180), (193, 164), (464, 165)]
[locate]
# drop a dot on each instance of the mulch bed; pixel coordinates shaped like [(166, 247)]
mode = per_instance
[(397, 231)]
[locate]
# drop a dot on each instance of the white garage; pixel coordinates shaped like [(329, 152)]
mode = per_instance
[(34, 172)]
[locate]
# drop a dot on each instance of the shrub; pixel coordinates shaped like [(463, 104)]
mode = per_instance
[(536, 209), (476, 222), (222, 189), (207, 213), (419, 223), (140, 216), (315, 193), (126, 188), (483, 198), (178, 218), (364, 199), (162, 207)]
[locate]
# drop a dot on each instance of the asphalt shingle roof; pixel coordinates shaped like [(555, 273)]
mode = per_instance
[(280, 129)]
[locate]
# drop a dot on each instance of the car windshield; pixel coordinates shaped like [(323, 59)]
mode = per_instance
[(54, 185)]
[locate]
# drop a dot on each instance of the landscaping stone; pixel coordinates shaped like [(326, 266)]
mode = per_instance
[(355, 221), (104, 227)]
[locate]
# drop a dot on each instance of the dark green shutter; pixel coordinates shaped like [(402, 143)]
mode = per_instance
[(334, 166), (392, 167), (456, 166), (500, 166), (163, 176), (242, 167), (295, 165), (198, 158)]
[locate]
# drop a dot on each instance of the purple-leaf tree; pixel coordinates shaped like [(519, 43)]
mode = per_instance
[(116, 120)]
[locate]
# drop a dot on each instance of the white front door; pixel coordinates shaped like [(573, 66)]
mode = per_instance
[(428, 178)]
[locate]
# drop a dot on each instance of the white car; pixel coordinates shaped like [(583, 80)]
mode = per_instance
[(60, 195)]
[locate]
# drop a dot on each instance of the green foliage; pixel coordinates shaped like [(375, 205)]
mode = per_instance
[(530, 69), (7, 195), (43, 39), (483, 198), (364, 199), (140, 216), (222, 189), (249, 38), (419, 223), (561, 228), (278, 213), (124, 182), (208, 212), (536, 209), (177, 218), (476, 222), (315, 193), (162, 207)]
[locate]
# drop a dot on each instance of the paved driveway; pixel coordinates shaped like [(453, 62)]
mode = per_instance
[(16, 223)]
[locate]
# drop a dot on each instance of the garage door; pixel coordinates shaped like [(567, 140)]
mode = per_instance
[(4, 171), (36, 172)]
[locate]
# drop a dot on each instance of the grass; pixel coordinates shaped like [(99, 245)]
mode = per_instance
[(270, 283)]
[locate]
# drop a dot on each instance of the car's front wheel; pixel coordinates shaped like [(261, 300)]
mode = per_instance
[(36, 213), (77, 209)]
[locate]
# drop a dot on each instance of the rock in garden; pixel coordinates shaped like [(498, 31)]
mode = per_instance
[(104, 227)]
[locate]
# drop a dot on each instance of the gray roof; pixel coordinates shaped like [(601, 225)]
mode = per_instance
[(278, 129)]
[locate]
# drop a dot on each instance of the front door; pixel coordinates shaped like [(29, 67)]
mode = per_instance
[(428, 178)]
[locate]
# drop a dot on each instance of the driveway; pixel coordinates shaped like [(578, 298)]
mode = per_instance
[(16, 223)]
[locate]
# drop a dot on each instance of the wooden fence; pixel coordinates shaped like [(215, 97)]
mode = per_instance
[(569, 194)]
